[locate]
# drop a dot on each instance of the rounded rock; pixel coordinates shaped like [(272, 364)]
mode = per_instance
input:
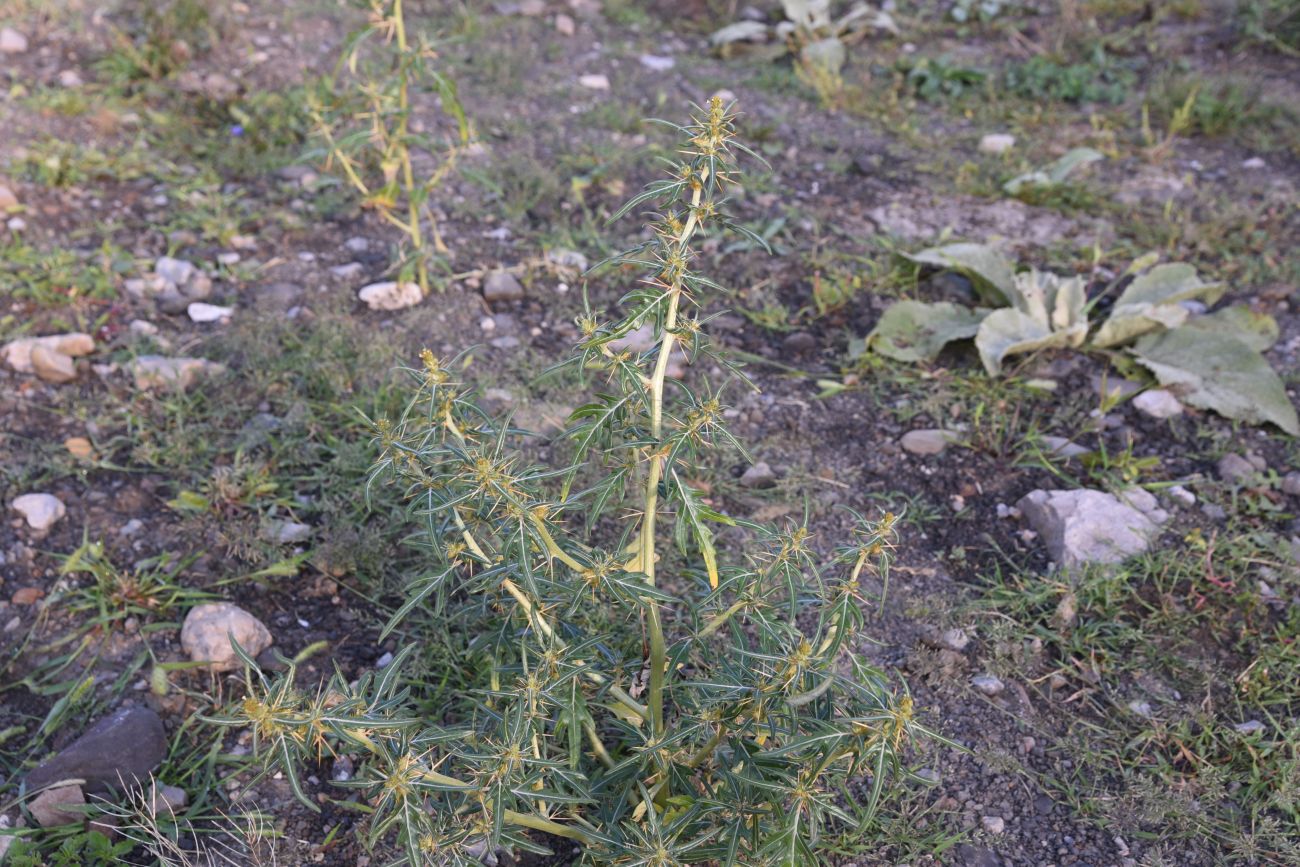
[(997, 143), (391, 295), (1158, 403), (52, 366), (208, 630), (988, 684), (42, 511), (927, 441)]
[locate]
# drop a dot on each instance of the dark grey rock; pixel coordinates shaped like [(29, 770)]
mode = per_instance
[(760, 475), (119, 751), (502, 286), (1234, 469)]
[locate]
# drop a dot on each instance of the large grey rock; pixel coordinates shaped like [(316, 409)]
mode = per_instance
[(118, 752), (1086, 526), (209, 627)]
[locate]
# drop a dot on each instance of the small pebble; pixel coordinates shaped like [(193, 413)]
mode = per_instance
[(993, 824)]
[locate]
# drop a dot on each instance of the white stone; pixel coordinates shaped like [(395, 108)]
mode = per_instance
[(11, 41), (1249, 727), (1086, 526), (988, 684), (1158, 403), (657, 63), (565, 24), (208, 629), (349, 271), (927, 441), (1182, 495), (18, 353), (8, 198), (997, 143), (596, 81), (391, 295), (174, 271), (201, 312), (53, 367), (158, 371), (42, 511), (70, 78), (993, 824), (1254, 163)]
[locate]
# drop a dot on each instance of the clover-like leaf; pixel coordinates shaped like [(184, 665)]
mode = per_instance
[(1221, 371), (917, 331)]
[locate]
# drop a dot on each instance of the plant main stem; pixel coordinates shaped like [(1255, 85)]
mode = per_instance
[(413, 227), (658, 649)]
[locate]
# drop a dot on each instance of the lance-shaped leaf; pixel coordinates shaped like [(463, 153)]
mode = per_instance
[(992, 272), (692, 516), (1219, 371), (1055, 173), (1151, 302), (917, 331), (741, 31)]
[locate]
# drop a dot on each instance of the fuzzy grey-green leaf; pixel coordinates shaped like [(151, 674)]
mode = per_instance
[(917, 331), (1218, 371), (990, 268)]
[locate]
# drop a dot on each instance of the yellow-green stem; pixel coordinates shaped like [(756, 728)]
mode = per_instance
[(658, 649), (413, 227)]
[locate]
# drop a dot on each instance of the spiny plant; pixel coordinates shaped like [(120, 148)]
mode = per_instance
[(375, 155), (655, 705)]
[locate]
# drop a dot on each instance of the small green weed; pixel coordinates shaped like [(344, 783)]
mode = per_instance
[(1101, 79)]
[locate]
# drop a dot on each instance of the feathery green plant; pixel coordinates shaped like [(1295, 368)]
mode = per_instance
[(729, 734)]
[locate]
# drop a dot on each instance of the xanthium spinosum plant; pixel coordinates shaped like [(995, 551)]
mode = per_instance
[(651, 703), (379, 157)]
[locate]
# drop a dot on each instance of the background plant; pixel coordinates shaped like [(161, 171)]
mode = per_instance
[(1212, 361), (757, 713), (368, 137)]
